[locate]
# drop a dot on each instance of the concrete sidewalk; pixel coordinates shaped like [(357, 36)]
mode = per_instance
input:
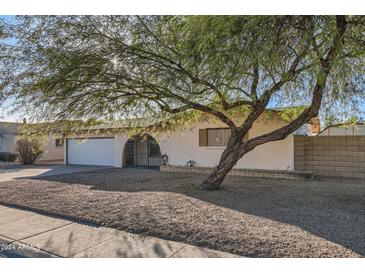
[(27, 234)]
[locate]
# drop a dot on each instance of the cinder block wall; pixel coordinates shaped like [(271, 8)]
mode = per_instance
[(341, 156)]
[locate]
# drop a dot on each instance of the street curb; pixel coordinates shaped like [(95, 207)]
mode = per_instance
[(72, 218)]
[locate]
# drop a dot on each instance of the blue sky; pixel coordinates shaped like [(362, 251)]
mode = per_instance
[(7, 17), (4, 109)]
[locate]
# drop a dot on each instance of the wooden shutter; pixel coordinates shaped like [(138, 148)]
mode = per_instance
[(202, 137)]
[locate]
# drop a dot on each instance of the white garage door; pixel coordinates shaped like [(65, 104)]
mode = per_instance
[(93, 151)]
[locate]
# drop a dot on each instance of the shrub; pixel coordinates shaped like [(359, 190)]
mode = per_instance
[(29, 150), (7, 156)]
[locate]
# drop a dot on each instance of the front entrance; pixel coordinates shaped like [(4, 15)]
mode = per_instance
[(141, 151)]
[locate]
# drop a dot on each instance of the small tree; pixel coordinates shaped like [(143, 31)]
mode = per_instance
[(29, 150)]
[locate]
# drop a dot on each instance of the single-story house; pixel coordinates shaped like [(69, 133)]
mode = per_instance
[(201, 143), (10, 131)]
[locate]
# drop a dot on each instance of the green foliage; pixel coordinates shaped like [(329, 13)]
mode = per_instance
[(168, 69), (289, 113)]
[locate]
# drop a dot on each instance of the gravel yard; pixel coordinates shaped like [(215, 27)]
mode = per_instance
[(248, 216)]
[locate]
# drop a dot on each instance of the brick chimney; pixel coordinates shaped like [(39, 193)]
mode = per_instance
[(315, 125)]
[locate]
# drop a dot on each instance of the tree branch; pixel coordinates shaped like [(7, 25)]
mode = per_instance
[(313, 110), (255, 81)]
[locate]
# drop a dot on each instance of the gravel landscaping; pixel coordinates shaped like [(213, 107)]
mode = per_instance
[(249, 216)]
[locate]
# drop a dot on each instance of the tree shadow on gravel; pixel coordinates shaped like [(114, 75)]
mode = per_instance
[(332, 210)]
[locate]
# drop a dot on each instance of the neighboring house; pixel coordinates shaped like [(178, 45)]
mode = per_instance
[(9, 132), (344, 129), (202, 142)]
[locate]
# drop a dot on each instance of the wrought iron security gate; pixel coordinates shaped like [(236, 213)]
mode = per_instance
[(129, 153), (142, 151)]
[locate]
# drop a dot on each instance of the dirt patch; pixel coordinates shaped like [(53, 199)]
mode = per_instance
[(249, 216)]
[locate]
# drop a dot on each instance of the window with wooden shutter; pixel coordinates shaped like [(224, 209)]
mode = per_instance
[(215, 137), (218, 136), (59, 142), (202, 137)]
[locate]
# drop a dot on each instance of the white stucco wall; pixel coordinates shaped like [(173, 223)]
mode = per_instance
[(183, 145), (120, 141), (51, 151)]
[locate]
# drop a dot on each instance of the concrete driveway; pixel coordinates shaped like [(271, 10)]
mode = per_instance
[(15, 172)]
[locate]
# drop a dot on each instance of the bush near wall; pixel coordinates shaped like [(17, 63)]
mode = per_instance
[(7, 156), (29, 150)]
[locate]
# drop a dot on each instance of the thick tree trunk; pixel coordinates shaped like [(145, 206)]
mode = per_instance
[(229, 158), (216, 178)]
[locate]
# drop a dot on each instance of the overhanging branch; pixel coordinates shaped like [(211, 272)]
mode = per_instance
[(312, 111)]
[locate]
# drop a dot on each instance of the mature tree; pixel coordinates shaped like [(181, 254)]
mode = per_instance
[(108, 67), (2, 50)]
